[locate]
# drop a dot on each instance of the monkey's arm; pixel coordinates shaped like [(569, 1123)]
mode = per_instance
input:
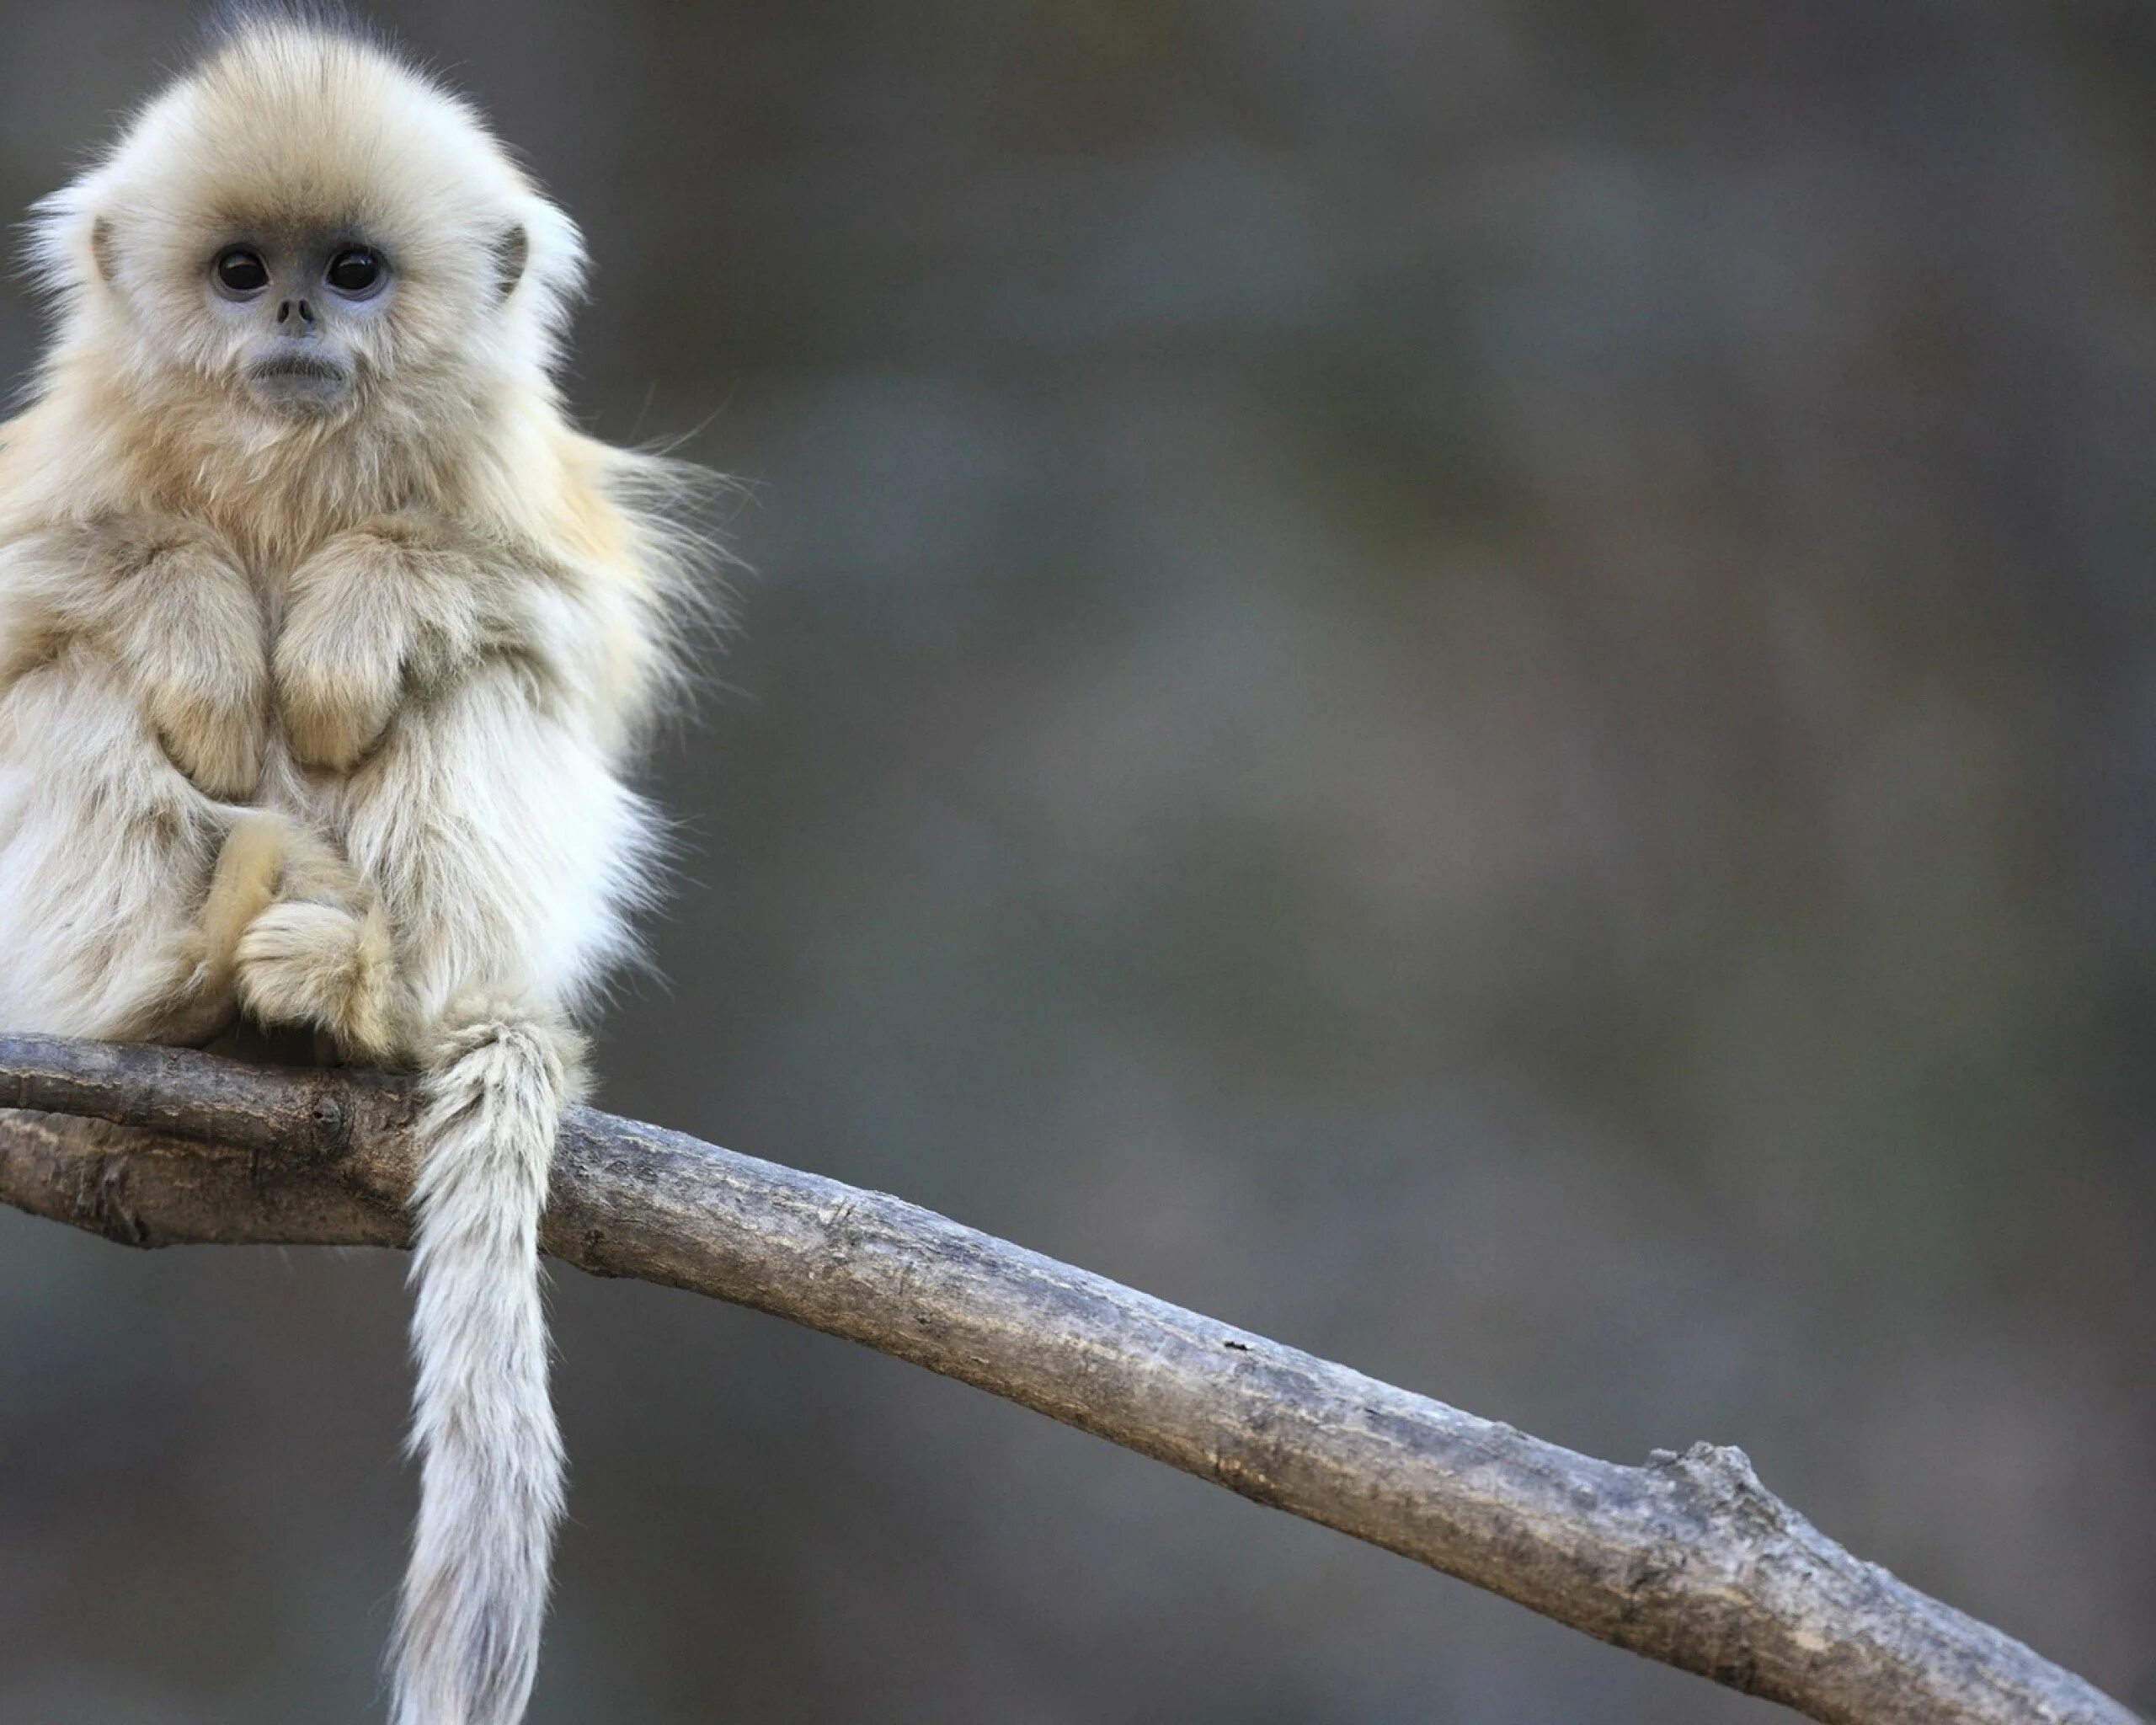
[(391, 614), (167, 603)]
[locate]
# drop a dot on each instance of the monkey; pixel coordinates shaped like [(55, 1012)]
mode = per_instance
[(327, 645)]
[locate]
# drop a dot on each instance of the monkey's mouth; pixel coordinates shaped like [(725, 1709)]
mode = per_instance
[(301, 365), (304, 381)]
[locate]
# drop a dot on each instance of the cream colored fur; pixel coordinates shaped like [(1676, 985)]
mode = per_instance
[(323, 716)]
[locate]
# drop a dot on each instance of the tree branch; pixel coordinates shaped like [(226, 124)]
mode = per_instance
[(1689, 1560)]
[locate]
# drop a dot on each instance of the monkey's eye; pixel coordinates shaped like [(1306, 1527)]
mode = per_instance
[(356, 270), (241, 271)]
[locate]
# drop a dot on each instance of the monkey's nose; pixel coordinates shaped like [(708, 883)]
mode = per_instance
[(284, 310)]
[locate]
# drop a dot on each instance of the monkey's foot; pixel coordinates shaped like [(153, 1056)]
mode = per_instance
[(322, 965)]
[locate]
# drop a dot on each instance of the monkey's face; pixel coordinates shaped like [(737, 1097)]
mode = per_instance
[(305, 305), (303, 312), (307, 231)]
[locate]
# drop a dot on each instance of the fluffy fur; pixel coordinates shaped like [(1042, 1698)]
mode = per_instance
[(314, 705)]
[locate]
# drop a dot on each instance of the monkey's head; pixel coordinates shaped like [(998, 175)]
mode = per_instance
[(303, 228)]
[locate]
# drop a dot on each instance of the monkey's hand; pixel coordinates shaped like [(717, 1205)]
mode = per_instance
[(388, 609), (184, 624)]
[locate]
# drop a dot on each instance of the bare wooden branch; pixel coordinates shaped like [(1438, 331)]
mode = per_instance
[(1688, 1559)]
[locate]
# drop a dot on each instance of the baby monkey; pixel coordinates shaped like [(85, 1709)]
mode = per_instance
[(324, 639)]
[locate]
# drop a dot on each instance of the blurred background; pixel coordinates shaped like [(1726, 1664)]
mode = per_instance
[(1472, 684)]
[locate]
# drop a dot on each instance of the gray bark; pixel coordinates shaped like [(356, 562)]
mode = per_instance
[(1687, 1559)]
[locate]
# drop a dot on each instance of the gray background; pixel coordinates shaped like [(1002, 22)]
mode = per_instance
[(1473, 683)]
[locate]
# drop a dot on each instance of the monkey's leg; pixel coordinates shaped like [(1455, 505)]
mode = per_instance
[(107, 920), (499, 844), (242, 884)]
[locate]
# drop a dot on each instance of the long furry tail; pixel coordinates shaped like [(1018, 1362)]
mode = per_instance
[(490, 1491)]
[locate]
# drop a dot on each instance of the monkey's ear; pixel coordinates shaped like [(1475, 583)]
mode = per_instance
[(101, 252), (512, 251), (73, 245)]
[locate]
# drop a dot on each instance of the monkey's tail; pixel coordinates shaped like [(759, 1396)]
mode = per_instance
[(491, 1463)]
